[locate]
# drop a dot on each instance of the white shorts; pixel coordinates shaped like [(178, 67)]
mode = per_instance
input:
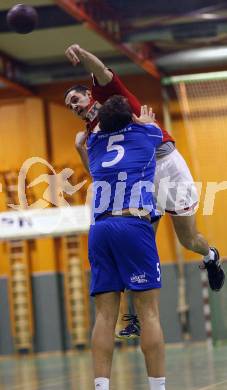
[(175, 190)]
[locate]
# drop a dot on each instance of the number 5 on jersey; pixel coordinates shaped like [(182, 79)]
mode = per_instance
[(159, 272), (119, 149)]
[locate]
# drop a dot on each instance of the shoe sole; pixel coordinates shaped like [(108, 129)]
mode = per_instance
[(223, 281), (131, 337)]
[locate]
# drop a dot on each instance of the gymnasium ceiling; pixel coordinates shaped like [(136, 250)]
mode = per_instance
[(158, 36)]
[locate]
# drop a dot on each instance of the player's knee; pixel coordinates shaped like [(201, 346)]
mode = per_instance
[(151, 343), (147, 308), (107, 319), (149, 317)]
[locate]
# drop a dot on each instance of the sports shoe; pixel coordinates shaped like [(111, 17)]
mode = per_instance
[(216, 274), (132, 330)]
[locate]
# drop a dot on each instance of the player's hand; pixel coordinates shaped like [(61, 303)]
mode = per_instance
[(80, 139), (73, 54), (146, 116)]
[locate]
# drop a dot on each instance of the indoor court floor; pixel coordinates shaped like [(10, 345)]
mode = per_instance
[(194, 367)]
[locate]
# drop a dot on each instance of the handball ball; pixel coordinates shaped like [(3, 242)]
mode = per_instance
[(22, 18)]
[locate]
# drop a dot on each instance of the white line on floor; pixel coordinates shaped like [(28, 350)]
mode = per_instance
[(212, 386)]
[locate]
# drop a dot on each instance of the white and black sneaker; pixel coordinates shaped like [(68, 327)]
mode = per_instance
[(132, 330), (215, 272)]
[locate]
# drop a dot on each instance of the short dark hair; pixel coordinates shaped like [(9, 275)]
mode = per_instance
[(77, 88), (115, 114)]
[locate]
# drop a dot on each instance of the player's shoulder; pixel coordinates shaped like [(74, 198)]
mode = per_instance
[(96, 137), (148, 130)]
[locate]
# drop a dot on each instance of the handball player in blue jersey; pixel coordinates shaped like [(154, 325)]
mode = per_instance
[(122, 248)]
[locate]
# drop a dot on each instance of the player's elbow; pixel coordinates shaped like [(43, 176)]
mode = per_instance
[(104, 76), (78, 146)]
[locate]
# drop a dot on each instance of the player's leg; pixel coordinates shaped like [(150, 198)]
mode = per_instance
[(138, 263), (190, 238), (188, 235), (182, 198), (181, 201), (107, 308), (151, 340), (106, 285)]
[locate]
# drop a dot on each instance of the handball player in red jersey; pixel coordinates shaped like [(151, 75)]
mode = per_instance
[(175, 189)]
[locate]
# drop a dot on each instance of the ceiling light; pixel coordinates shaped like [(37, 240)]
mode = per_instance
[(209, 16)]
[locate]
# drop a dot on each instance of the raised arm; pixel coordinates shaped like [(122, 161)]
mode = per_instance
[(92, 64)]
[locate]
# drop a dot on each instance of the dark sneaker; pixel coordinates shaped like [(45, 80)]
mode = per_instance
[(132, 330), (216, 275)]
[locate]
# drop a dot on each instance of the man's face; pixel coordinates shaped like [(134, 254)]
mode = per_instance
[(79, 103)]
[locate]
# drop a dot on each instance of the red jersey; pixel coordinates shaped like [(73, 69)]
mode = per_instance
[(116, 87)]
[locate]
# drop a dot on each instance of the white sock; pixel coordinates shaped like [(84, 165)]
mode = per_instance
[(210, 256), (102, 383), (157, 383)]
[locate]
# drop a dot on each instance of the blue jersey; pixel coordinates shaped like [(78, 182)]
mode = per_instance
[(122, 165)]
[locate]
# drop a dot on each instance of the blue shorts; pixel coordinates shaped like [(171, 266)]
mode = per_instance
[(123, 255)]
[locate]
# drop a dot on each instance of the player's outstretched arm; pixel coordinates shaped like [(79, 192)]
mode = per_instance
[(146, 116), (92, 64), (81, 149)]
